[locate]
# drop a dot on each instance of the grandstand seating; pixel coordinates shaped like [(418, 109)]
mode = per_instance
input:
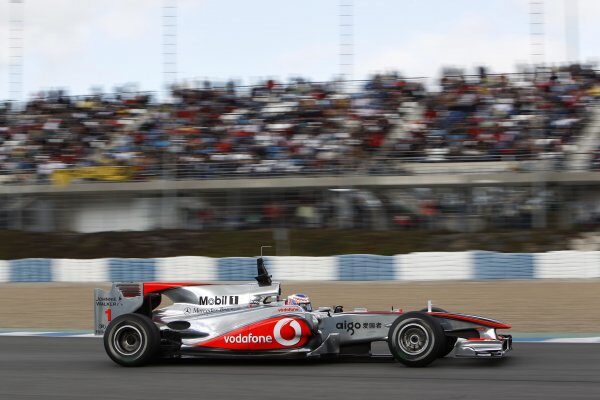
[(301, 127)]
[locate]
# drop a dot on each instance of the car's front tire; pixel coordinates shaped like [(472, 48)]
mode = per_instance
[(448, 346), (450, 341), (416, 339), (132, 340)]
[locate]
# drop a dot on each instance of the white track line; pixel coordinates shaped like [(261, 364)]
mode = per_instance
[(574, 340), (48, 334)]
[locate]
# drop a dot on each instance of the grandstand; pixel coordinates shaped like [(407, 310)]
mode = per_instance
[(482, 152), (388, 126)]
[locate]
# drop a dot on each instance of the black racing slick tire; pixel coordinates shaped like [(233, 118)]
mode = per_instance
[(450, 341), (416, 339), (132, 340), (448, 347), (433, 309)]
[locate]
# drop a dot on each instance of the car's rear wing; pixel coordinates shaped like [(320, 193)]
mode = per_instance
[(136, 297), (143, 297), (122, 298)]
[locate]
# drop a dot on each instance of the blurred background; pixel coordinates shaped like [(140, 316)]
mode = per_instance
[(144, 129)]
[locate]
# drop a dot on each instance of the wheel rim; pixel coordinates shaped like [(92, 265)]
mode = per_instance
[(128, 340), (413, 339)]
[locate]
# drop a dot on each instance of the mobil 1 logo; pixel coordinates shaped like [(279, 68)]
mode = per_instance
[(218, 300)]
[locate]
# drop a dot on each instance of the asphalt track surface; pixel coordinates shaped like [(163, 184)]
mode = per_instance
[(78, 368)]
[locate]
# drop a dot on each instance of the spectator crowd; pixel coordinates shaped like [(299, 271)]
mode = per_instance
[(300, 127)]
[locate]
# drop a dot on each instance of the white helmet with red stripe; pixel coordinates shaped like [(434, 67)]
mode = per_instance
[(299, 299)]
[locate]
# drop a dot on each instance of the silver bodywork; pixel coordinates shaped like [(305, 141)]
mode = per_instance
[(201, 314)]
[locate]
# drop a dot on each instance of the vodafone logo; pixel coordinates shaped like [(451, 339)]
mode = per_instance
[(287, 332), (270, 334), (250, 338)]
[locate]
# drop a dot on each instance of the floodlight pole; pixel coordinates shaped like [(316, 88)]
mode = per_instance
[(572, 30), (15, 50), (346, 43), (169, 44), (537, 32), (16, 26), (169, 56)]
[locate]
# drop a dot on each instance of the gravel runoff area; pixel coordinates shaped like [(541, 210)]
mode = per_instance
[(530, 306)]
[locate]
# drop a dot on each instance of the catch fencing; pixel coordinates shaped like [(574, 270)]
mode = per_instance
[(386, 164), (429, 266)]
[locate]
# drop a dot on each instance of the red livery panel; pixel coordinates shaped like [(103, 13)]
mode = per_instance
[(470, 318), (153, 287), (271, 334)]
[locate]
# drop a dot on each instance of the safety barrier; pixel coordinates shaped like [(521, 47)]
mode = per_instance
[(431, 266)]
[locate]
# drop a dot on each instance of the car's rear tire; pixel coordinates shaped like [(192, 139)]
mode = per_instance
[(132, 340), (415, 339)]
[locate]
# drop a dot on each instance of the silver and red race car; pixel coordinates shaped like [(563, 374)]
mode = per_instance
[(241, 320)]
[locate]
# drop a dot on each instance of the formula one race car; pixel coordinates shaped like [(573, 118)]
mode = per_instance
[(237, 320)]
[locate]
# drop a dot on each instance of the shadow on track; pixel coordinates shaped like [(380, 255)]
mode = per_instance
[(448, 362)]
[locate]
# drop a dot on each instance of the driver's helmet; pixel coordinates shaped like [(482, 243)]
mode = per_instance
[(299, 299)]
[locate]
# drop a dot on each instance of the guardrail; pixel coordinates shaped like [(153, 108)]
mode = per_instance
[(431, 266), (378, 166)]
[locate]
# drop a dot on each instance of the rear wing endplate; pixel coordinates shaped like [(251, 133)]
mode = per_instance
[(122, 298)]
